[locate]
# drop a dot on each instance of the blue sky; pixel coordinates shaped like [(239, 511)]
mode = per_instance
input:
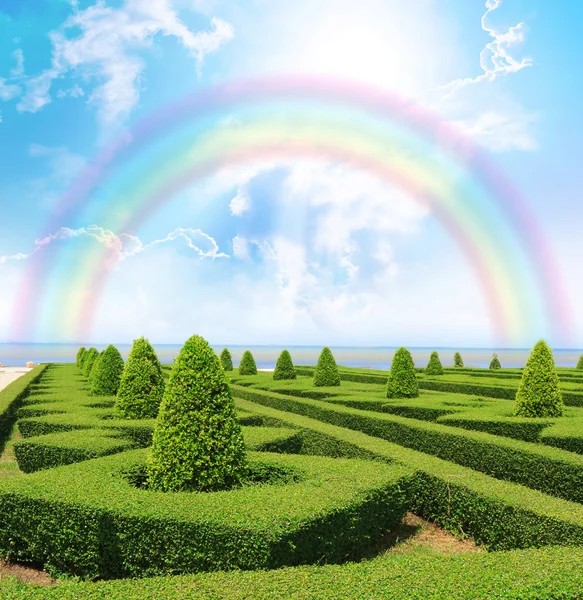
[(294, 251)]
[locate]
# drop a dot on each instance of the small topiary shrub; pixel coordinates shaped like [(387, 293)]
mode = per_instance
[(247, 365), (197, 443), (538, 393), (89, 359), (107, 372), (142, 383), (580, 362), (326, 372), (226, 360), (495, 363), (434, 366), (284, 368), (94, 369), (458, 361), (80, 353), (402, 381)]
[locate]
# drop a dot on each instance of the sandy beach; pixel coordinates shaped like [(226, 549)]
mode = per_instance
[(10, 374)]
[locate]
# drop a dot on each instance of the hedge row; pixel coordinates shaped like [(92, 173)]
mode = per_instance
[(538, 467), (11, 398), (88, 519), (499, 514), (544, 574)]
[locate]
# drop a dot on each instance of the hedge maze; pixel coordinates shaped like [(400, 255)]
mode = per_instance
[(330, 471)]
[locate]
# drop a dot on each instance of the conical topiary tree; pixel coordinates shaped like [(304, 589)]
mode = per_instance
[(197, 443), (495, 363), (94, 368), (458, 361), (284, 368), (402, 381), (247, 365), (142, 383), (226, 360), (434, 366), (538, 393), (89, 358), (326, 372), (580, 362), (107, 372), (80, 354)]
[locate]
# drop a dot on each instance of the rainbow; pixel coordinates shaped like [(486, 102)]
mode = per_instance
[(320, 120)]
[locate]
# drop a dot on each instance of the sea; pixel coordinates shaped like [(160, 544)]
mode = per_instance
[(15, 355)]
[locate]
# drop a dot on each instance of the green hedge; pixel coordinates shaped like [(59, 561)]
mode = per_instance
[(12, 397), (499, 514), (542, 468), (87, 519), (56, 449), (544, 574)]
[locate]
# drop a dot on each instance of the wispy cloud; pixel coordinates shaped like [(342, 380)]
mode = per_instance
[(107, 48), (496, 58), (124, 245)]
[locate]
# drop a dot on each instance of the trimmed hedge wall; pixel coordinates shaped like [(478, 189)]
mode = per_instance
[(538, 467), (87, 519)]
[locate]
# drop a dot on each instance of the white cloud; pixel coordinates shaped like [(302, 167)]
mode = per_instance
[(125, 245), (107, 48), (18, 70), (240, 247), (502, 132), (241, 203), (480, 106), (495, 58), (73, 92), (8, 91)]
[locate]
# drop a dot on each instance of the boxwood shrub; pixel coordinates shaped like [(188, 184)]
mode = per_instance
[(197, 441), (326, 372), (247, 365), (284, 368), (402, 382), (106, 373), (226, 360)]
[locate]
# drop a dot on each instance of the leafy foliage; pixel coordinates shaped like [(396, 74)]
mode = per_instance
[(538, 393), (495, 363), (247, 365), (402, 381), (197, 441), (226, 360), (326, 373), (434, 366), (580, 362), (89, 360), (107, 372), (142, 383), (458, 361), (80, 354), (284, 368)]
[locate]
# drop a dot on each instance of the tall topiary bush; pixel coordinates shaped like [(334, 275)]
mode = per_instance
[(495, 363), (402, 381), (458, 361), (434, 366), (226, 360), (580, 362), (80, 353), (142, 383), (326, 372), (197, 443), (247, 365), (284, 368), (107, 372), (90, 357), (538, 393), (94, 368)]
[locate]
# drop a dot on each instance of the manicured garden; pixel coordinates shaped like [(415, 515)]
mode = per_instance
[(205, 479)]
